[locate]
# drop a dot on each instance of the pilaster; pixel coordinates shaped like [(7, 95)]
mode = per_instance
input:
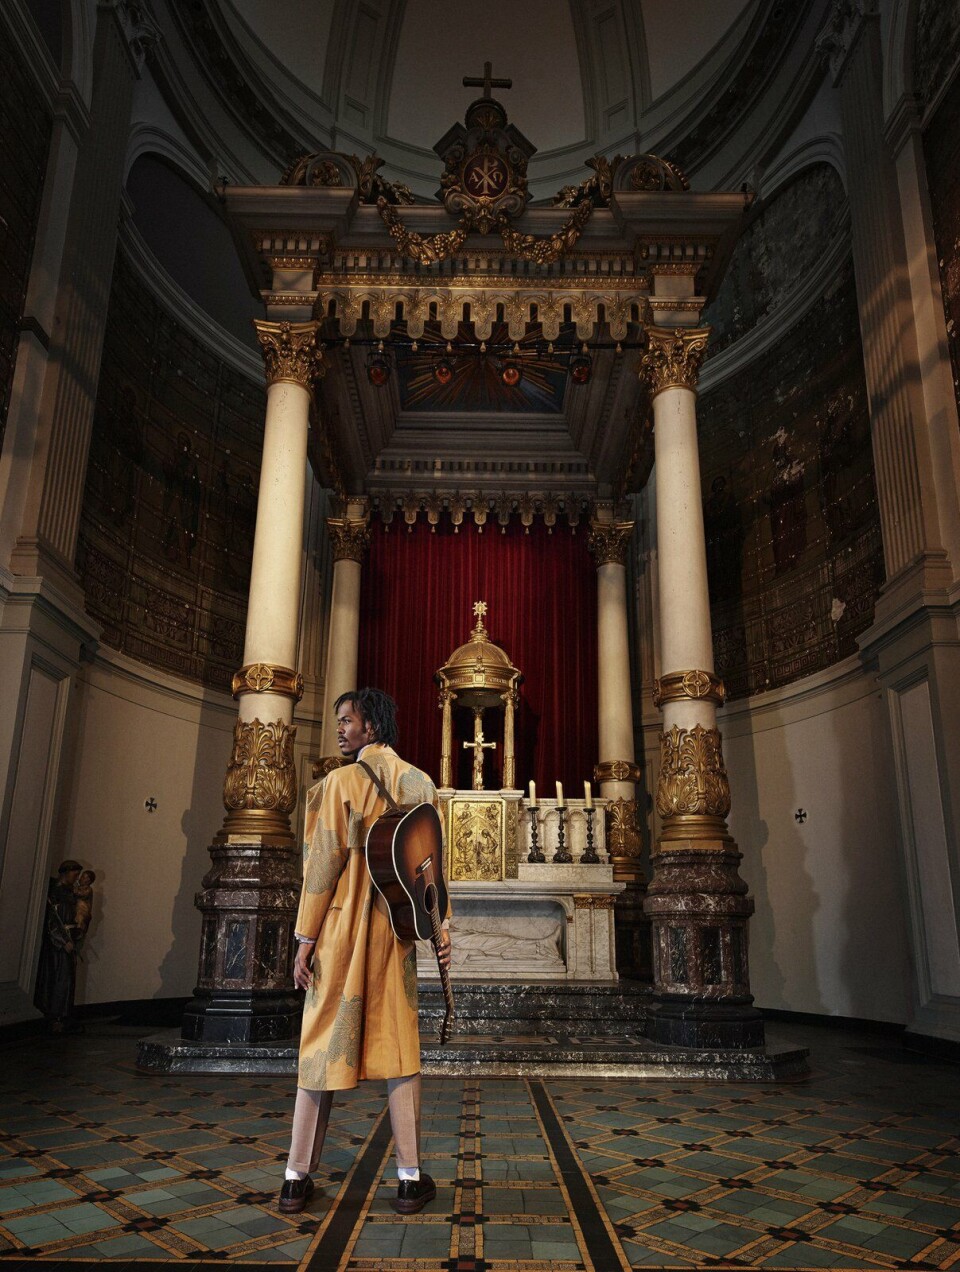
[(914, 641)]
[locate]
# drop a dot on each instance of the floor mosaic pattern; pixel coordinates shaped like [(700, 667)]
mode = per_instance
[(856, 1167)]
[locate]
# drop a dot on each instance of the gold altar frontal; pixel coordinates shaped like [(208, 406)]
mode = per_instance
[(483, 833)]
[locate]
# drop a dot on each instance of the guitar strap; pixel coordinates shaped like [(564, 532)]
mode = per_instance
[(391, 802)]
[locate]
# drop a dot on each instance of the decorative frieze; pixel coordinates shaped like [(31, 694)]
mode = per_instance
[(693, 778), (673, 358), (291, 352), (263, 677), (699, 685)]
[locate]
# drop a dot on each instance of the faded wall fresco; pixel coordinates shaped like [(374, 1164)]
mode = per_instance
[(777, 250), (166, 532), (941, 145), (24, 142), (937, 46), (794, 554)]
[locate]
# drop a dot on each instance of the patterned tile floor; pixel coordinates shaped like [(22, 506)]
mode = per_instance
[(856, 1167)]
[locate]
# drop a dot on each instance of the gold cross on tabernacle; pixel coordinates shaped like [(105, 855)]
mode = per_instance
[(478, 746), (487, 82), (480, 609)]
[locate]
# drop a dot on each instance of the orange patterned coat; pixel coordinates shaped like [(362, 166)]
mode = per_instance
[(360, 1014)]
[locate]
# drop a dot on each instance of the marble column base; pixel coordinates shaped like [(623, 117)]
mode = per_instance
[(251, 1017), (699, 1024)]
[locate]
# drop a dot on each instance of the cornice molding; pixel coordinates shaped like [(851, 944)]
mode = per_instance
[(721, 366), (185, 309)]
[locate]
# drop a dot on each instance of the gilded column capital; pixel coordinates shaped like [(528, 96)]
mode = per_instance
[(608, 541), (350, 537), (693, 777), (291, 352), (673, 357), (263, 677), (688, 684)]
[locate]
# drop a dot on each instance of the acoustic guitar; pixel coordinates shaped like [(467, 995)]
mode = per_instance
[(404, 849)]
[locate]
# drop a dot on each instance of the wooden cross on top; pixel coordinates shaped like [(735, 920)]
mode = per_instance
[(487, 82)]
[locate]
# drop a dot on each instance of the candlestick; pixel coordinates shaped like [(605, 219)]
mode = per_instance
[(589, 858), (588, 794), (559, 795), (561, 856), (533, 794), (534, 855)]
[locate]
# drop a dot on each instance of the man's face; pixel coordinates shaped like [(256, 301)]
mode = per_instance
[(69, 878), (352, 732)]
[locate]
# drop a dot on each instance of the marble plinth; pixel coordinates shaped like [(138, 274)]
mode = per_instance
[(167, 1052), (553, 923)]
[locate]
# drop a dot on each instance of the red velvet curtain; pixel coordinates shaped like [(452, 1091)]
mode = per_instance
[(418, 591)]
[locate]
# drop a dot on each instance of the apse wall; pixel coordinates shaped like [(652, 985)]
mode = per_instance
[(795, 563)]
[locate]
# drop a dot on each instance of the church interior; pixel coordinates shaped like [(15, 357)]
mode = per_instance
[(585, 374)]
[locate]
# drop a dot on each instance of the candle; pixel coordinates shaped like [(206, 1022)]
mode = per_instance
[(559, 795), (533, 795), (588, 794)]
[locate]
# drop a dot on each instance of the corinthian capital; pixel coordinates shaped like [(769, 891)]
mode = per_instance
[(291, 352), (350, 537), (673, 358), (608, 541), (838, 38)]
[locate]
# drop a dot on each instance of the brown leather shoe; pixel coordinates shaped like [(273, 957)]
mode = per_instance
[(413, 1195), (294, 1195)]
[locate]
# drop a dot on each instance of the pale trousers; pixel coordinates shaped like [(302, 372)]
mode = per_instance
[(311, 1113)]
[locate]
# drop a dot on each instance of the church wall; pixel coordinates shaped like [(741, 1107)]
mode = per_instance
[(169, 506), (24, 141), (794, 552), (139, 735), (941, 145), (829, 932)]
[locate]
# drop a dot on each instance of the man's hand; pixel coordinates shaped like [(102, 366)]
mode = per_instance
[(302, 973), (445, 948)]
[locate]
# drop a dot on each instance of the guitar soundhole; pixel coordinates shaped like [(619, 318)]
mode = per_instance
[(430, 896)]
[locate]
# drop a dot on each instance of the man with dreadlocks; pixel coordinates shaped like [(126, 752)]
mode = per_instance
[(360, 1014)]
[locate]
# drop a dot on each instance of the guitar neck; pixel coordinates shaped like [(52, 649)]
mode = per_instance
[(444, 972)]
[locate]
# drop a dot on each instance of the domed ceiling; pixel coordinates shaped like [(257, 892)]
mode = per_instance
[(586, 75)]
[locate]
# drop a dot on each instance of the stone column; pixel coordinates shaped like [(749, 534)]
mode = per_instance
[(249, 899), (509, 755), (696, 899), (617, 771), (350, 537)]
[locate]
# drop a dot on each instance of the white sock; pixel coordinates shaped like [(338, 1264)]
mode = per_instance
[(294, 1174), (408, 1172)]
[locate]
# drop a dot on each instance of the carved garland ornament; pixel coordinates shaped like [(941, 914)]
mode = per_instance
[(608, 541), (693, 778), (673, 358), (263, 677), (290, 352), (349, 537), (592, 901), (261, 773), (526, 247), (688, 684)]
